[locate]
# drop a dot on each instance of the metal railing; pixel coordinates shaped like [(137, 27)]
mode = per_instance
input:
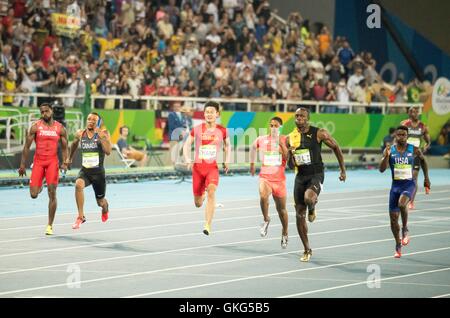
[(33, 97), (16, 120), (263, 104), (249, 105), (11, 122), (257, 104)]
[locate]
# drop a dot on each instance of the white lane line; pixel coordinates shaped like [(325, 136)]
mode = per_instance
[(336, 209), (178, 235), (234, 261), (333, 212), (192, 234), (225, 201), (383, 204), (365, 282), (159, 292), (442, 296), (149, 216), (75, 234)]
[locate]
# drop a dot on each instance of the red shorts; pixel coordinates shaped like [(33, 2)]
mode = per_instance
[(202, 177), (44, 168), (278, 187)]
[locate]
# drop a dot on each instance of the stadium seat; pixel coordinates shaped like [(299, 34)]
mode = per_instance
[(127, 162)]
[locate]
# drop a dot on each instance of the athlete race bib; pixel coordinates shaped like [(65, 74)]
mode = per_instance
[(272, 159), (414, 141), (402, 172), (302, 157), (207, 152), (91, 160)]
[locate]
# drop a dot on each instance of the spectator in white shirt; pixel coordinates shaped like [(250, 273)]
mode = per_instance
[(343, 96), (135, 85), (213, 9), (354, 80)]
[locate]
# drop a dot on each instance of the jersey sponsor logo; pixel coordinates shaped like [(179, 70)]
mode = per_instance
[(207, 137), (401, 160), (415, 131), (89, 146), (48, 133)]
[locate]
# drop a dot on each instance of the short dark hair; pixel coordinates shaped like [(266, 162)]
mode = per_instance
[(391, 130), (278, 119), (49, 105), (304, 109), (403, 128), (96, 114), (214, 104), (121, 128)]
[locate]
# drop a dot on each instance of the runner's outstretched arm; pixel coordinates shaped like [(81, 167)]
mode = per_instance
[(324, 135), (424, 166), (74, 146), (253, 158), (427, 138), (26, 150), (187, 151), (227, 152), (64, 148), (385, 160), (105, 141), (290, 158)]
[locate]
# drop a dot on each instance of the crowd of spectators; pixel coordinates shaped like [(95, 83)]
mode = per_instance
[(191, 48)]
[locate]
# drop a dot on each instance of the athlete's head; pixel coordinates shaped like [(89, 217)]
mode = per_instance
[(124, 131), (401, 135), (46, 110), (211, 112), (275, 125), (413, 113), (92, 120), (302, 117)]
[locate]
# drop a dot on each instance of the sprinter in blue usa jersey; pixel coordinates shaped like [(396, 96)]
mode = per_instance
[(400, 158)]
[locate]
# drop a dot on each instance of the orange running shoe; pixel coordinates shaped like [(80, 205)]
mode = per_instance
[(405, 237), (398, 251), (78, 222), (105, 216)]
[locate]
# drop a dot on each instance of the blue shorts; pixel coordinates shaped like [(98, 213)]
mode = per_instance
[(398, 189)]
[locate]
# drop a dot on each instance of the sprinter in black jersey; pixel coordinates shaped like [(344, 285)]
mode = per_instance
[(95, 143), (305, 147)]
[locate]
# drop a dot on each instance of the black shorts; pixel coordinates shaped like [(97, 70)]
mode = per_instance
[(303, 183), (98, 181), (416, 165)]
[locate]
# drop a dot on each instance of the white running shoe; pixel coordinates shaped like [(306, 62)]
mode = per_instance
[(263, 229), (284, 241)]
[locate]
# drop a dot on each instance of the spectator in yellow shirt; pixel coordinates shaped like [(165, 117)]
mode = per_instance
[(9, 86), (107, 44)]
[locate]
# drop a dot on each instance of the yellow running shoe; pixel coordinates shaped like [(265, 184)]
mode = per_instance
[(207, 229), (49, 230), (306, 256)]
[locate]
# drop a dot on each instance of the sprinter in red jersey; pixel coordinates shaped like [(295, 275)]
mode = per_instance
[(46, 133), (272, 178), (205, 174), (417, 131)]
